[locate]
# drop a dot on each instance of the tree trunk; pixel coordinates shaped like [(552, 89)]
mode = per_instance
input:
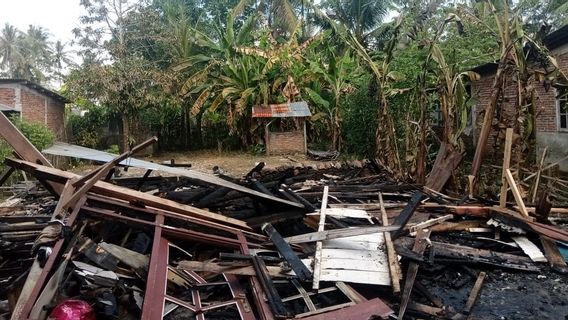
[(487, 120), (184, 126), (198, 125), (125, 133), (421, 157)]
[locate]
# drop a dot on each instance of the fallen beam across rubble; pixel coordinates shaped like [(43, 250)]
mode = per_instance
[(108, 189), (69, 150)]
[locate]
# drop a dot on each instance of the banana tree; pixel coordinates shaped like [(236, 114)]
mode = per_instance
[(453, 102), (512, 65), (335, 77)]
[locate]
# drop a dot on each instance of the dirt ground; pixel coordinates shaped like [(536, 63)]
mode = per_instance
[(232, 164)]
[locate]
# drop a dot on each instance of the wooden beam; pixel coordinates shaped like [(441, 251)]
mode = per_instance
[(117, 192), (319, 244), (516, 193), (274, 299), (305, 296), (214, 267), (429, 223), (506, 163), (21, 145), (337, 233), (394, 265), (474, 294)]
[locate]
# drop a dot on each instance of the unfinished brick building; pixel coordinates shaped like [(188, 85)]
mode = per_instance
[(34, 103), (551, 107)]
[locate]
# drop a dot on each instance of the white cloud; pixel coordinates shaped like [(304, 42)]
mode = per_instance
[(58, 16)]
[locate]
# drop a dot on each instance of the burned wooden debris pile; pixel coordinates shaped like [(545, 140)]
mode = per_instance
[(341, 242)]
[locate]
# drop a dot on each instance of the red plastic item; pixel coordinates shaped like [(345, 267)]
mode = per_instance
[(73, 310)]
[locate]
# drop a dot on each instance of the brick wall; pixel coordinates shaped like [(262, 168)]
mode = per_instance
[(8, 97), (33, 106), (56, 117), (286, 142), (39, 108), (546, 101), (546, 114)]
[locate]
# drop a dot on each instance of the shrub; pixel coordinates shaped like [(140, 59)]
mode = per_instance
[(86, 129), (360, 119), (38, 134)]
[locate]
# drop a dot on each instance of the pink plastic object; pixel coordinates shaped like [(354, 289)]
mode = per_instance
[(73, 310)]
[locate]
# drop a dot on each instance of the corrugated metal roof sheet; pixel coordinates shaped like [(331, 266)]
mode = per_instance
[(7, 108), (283, 110), (69, 150)]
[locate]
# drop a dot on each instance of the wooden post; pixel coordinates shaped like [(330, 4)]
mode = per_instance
[(506, 163), (267, 137), (537, 181), (516, 193), (305, 137)]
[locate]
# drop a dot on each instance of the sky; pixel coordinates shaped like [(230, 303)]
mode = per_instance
[(59, 17)]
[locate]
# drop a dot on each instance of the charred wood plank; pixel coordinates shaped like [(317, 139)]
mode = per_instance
[(256, 170), (286, 251), (420, 245), (474, 294), (6, 174), (406, 213), (258, 186), (212, 197), (555, 259), (308, 205), (143, 180), (274, 299)]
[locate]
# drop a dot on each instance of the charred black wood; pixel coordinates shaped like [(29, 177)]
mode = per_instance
[(309, 207), (274, 218), (212, 197), (239, 256), (143, 180), (406, 213), (6, 174), (543, 207), (256, 170), (188, 196), (286, 251), (274, 299), (258, 186)]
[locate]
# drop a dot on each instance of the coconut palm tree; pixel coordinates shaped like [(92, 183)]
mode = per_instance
[(60, 59), (362, 17), (11, 55), (280, 15)]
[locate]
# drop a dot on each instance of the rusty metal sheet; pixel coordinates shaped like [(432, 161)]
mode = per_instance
[(284, 110)]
